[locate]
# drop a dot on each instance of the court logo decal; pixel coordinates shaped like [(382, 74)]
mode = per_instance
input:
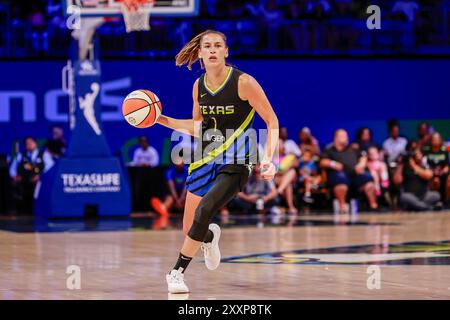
[(408, 253)]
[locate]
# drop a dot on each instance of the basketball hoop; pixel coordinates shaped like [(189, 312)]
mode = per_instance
[(136, 14)]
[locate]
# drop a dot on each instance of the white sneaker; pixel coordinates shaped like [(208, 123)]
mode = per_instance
[(175, 282), (211, 250)]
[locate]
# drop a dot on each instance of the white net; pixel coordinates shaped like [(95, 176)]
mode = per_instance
[(136, 14), (137, 17)]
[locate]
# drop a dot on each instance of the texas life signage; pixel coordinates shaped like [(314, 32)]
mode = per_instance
[(88, 176)]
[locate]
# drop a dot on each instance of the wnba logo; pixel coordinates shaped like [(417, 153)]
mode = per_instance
[(87, 105)]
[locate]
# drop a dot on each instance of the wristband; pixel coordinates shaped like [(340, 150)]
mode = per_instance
[(332, 164)]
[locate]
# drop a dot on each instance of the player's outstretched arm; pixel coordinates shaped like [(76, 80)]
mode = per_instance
[(249, 89), (182, 125), (190, 126)]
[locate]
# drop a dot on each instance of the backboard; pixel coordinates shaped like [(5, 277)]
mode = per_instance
[(111, 8)]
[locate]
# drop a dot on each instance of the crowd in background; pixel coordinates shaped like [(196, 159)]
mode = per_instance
[(256, 27), (346, 176), (399, 174)]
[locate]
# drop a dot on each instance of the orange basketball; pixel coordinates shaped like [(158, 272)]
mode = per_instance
[(141, 108)]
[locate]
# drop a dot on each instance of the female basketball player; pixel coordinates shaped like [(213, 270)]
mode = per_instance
[(224, 99)]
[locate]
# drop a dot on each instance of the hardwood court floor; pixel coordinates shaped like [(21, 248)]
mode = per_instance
[(133, 264)]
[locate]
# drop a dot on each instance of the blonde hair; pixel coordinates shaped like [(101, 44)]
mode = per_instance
[(189, 54)]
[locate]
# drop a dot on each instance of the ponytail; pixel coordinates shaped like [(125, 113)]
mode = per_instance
[(189, 54)]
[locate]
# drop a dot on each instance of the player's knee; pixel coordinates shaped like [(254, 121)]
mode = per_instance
[(203, 213), (198, 231), (200, 226)]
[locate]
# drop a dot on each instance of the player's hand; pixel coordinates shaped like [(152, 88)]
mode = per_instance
[(268, 170)]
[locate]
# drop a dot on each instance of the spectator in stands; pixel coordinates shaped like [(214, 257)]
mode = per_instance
[(305, 173), (5, 186), (346, 168), (342, 33), (438, 161), (56, 146), (176, 181), (285, 163), (270, 17), (308, 175), (25, 171), (236, 9), (227, 9), (54, 14), (318, 9), (424, 131), (267, 10), (378, 170), (176, 176), (308, 142), (296, 9), (395, 145), (297, 29), (39, 34), (363, 140), (271, 13), (405, 9), (343, 9), (208, 8), (257, 196), (290, 147), (145, 155), (36, 17), (414, 175)]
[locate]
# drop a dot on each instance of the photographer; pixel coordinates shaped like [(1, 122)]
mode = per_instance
[(438, 160), (258, 195), (413, 175), (25, 171)]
